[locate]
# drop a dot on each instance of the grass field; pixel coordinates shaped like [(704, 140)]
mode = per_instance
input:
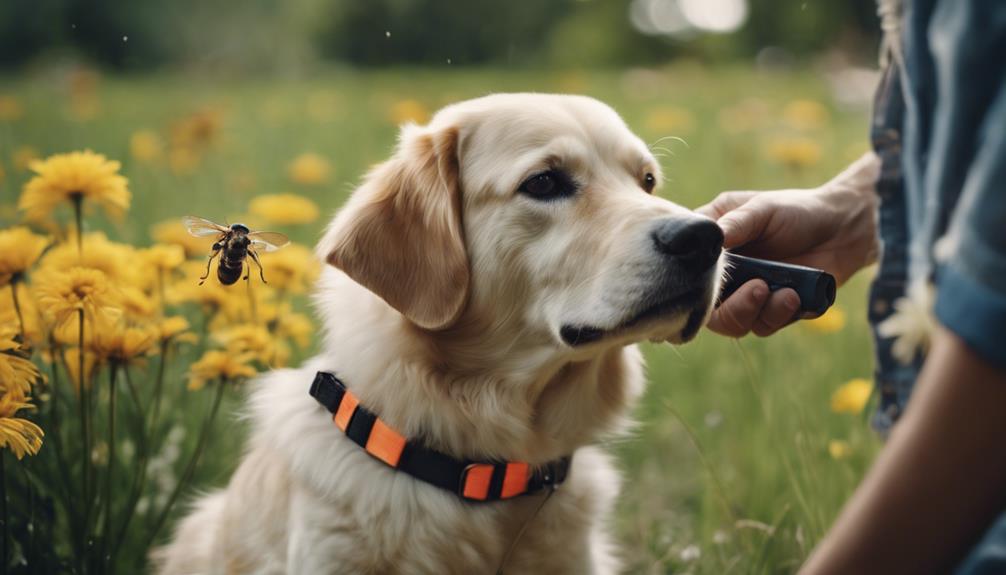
[(729, 469)]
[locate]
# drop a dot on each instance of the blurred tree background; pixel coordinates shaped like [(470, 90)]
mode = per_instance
[(289, 37)]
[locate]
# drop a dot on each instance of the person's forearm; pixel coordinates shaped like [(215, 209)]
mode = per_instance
[(937, 484)]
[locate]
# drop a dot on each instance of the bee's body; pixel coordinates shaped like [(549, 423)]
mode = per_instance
[(235, 249), (234, 244)]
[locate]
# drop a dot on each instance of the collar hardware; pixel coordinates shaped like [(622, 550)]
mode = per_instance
[(470, 480)]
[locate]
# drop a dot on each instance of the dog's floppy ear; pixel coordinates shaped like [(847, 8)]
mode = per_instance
[(400, 235)]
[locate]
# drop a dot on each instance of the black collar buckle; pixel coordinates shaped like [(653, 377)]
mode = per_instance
[(554, 473)]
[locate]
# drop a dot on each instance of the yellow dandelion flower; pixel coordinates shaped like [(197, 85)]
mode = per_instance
[(17, 374), (63, 293), (173, 232), (839, 449), (163, 257), (296, 327), (831, 321), (67, 334), (116, 342), (75, 176), (146, 146), (71, 359), (216, 364), (253, 339), (117, 261), (409, 110), (211, 295), (292, 268), (175, 328), (19, 250), (284, 209), (213, 298), (10, 108), (669, 120), (19, 435), (852, 396), (309, 169), (805, 115), (29, 312), (796, 153), (23, 157), (136, 305), (236, 308)]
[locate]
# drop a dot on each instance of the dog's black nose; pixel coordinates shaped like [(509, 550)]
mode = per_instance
[(694, 243)]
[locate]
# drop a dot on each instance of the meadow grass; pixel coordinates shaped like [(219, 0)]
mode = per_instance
[(728, 469)]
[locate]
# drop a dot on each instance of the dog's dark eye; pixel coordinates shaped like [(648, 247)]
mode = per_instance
[(548, 186), (649, 182)]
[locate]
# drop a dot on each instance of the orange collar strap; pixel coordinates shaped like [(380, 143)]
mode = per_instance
[(470, 480)]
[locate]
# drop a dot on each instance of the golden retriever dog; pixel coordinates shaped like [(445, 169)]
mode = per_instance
[(486, 287)]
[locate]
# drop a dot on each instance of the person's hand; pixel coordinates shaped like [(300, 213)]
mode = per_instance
[(831, 228)]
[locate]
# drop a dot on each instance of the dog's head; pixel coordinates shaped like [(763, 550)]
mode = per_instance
[(533, 215)]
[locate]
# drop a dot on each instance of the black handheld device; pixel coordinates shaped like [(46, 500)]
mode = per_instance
[(815, 287)]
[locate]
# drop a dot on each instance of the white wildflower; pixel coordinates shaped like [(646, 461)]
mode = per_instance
[(691, 553), (713, 419), (912, 323)]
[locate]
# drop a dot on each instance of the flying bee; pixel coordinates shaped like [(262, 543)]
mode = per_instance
[(237, 242)]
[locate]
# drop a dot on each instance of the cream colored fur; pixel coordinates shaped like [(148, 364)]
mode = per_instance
[(443, 317)]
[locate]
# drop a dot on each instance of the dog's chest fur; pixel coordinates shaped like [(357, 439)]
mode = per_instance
[(350, 510)]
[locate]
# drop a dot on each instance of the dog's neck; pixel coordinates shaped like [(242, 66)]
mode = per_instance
[(518, 400)]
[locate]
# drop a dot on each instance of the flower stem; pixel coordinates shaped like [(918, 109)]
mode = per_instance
[(17, 308), (140, 478), (158, 386), (78, 215), (251, 300), (82, 403), (160, 289), (107, 529), (57, 436), (30, 556), (191, 466)]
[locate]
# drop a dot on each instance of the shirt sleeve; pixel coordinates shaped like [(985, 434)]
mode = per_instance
[(968, 40)]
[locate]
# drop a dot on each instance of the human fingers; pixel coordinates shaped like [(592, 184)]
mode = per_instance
[(737, 314), (779, 311), (723, 203), (746, 223)]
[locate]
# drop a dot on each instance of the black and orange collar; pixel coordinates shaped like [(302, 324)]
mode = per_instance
[(470, 480)]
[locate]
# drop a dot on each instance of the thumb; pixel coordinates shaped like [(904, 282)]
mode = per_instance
[(724, 203), (743, 225)]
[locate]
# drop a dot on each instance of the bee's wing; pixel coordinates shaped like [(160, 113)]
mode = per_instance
[(268, 241), (201, 227)]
